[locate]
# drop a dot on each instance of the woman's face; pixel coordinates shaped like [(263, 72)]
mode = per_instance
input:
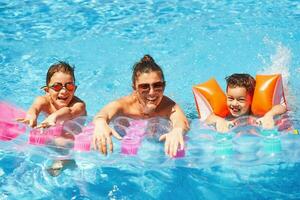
[(61, 89), (238, 101), (149, 88)]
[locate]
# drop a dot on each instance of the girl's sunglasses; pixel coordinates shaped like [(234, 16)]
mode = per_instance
[(157, 86), (70, 86)]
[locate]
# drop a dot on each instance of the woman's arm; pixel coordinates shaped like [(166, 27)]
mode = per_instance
[(102, 131), (174, 139)]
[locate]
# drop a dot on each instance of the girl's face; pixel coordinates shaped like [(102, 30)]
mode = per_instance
[(61, 89), (238, 101), (149, 88)]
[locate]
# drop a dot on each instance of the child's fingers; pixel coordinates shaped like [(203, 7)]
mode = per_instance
[(20, 119), (39, 126), (230, 125), (31, 123), (43, 125), (258, 122)]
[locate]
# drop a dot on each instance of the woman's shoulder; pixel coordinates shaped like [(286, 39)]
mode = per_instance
[(124, 102), (126, 99)]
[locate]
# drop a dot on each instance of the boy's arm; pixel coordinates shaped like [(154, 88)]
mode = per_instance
[(221, 124), (267, 121), (174, 138), (34, 111), (277, 110), (102, 131)]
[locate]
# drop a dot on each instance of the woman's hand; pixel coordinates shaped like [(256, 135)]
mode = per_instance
[(102, 136), (173, 141)]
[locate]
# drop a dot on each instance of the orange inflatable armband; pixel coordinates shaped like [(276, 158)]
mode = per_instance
[(268, 92), (209, 99)]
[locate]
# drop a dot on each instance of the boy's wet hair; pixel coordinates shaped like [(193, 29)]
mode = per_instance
[(146, 65), (60, 66), (241, 80)]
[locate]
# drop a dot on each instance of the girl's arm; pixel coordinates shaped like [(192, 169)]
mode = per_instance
[(66, 113), (33, 112)]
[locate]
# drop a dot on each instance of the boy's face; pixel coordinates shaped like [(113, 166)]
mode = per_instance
[(238, 101), (61, 89)]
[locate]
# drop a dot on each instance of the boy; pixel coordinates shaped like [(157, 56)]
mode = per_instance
[(59, 103), (239, 92)]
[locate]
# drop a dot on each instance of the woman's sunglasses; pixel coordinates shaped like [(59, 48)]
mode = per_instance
[(157, 86), (70, 86)]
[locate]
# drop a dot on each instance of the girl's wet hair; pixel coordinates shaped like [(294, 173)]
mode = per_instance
[(241, 80), (146, 65), (60, 66)]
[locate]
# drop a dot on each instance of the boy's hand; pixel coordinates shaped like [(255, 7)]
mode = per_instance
[(173, 141), (223, 126), (102, 137), (267, 122)]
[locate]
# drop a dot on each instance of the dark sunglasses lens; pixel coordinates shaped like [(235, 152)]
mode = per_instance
[(158, 85), (70, 86), (57, 87), (144, 86)]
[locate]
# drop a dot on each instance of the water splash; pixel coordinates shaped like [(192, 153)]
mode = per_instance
[(280, 62)]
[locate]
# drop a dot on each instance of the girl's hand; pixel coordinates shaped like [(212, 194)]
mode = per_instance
[(48, 122), (29, 119)]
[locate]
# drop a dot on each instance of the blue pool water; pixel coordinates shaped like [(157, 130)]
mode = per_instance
[(192, 41)]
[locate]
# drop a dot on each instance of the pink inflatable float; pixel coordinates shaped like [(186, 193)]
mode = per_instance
[(133, 131)]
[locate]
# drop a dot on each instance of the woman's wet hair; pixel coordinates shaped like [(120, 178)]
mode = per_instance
[(60, 66), (146, 65), (241, 80)]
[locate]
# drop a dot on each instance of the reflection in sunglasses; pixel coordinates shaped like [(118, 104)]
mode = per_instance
[(70, 86)]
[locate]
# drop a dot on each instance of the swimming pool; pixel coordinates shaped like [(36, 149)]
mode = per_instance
[(191, 40)]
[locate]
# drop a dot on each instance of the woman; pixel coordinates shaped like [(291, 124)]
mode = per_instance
[(146, 101)]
